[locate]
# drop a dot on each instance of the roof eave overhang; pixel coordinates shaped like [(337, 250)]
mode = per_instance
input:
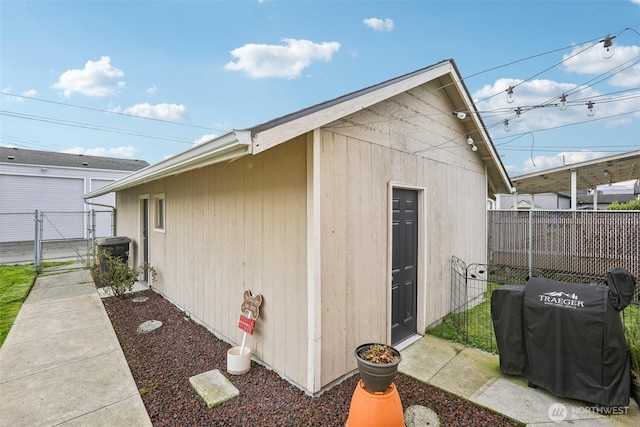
[(227, 147), (264, 139)]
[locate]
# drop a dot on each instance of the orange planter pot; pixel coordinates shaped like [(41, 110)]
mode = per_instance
[(382, 409)]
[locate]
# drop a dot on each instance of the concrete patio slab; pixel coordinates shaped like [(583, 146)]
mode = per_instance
[(213, 387), (467, 372)]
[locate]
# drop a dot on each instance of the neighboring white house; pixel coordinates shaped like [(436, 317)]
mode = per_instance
[(562, 200), (344, 216), (53, 182)]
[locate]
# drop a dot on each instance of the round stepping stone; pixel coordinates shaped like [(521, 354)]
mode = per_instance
[(420, 416), (149, 326), (140, 299)]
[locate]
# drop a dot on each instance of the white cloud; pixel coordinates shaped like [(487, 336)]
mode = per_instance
[(288, 61), (172, 112), (152, 90), (123, 151), (491, 101), (618, 67), (560, 159), (203, 139), (31, 93), (99, 79), (379, 24)]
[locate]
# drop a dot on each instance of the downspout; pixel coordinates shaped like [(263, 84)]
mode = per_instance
[(113, 227)]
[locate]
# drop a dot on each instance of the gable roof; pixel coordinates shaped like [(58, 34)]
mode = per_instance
[(10, 155), (256, 139)]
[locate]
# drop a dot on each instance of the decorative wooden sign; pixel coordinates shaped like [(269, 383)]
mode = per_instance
[(250, 311), (251, 304)]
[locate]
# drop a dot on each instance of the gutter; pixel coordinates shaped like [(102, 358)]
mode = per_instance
[(227, 147)]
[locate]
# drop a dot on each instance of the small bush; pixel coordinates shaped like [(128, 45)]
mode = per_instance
[(632, 332), (633, 205), (120, 275)]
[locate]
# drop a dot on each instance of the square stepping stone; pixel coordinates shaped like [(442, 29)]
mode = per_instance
[(213, 387)]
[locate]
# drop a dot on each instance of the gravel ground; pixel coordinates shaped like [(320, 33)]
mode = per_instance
[(163, 361)]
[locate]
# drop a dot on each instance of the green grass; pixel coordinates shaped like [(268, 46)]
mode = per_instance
[(15, 284), (479, 331)]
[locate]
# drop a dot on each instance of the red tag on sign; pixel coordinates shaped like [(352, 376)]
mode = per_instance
[(246, 324)]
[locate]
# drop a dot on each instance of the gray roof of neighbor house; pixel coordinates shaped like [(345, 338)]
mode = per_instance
[(253, 140), (10, 155)]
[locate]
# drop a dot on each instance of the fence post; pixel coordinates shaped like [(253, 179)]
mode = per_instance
[(92, 233), (37, 241), (530, 262)]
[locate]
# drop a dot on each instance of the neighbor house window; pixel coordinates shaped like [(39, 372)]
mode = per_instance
[(159, 209)]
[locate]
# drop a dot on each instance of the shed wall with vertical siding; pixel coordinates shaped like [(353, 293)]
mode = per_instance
[(230, 227)]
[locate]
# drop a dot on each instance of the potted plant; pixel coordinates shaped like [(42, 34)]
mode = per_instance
[(377, 365), (633, 340)]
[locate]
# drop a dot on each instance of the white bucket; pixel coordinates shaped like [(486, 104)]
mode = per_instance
[(238, 364)]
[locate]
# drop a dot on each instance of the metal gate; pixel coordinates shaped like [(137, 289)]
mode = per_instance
[(52, 236)]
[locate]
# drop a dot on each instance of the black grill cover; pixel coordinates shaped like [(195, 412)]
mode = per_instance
[(621, 287), (506, 314), (575, 342)]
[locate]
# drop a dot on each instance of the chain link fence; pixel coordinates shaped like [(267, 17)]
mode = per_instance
[(582, 243), (33, 237)]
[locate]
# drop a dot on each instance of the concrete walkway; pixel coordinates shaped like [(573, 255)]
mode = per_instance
[(61, 364), (475, 375)]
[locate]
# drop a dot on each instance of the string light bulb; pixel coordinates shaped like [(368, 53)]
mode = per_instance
[(607, 44), (510, 94), (460, 114), (474, 148), (563, 102), (518, 114), (590, 111), (469, 140), (506, 125)]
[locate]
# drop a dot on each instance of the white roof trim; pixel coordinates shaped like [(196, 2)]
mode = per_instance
[(226, 147), (265, 139)]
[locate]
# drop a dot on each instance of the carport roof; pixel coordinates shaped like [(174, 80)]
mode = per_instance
[(589, 174)]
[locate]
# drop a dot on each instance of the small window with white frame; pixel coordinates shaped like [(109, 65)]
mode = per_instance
[(159, 208)]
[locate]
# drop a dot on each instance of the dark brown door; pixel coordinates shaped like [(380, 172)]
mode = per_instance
[(404, 265)]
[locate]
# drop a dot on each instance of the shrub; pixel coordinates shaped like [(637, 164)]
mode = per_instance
[(633, 205), (119, 274), (632, 332)]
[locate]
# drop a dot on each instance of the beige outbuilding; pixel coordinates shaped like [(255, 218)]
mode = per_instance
[(343, 216)]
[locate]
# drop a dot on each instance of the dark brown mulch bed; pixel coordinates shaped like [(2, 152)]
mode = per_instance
[(163, 361)]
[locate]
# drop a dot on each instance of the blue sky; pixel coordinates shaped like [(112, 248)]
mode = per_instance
[(149, 79)]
